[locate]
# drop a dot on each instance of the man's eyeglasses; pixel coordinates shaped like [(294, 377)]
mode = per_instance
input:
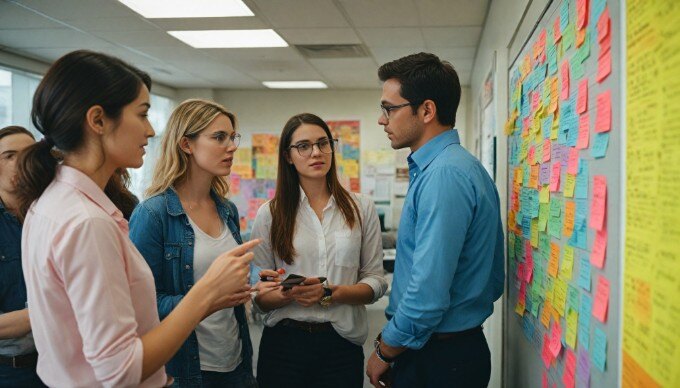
[(305, 149), (386, 109)]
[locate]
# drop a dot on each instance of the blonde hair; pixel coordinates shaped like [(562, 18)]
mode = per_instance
[(189, 119)]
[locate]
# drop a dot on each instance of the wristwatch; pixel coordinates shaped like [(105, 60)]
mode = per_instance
[(381, 357), (327, 297)]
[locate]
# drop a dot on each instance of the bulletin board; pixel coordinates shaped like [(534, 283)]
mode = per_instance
[(651, 291), (564, 166)]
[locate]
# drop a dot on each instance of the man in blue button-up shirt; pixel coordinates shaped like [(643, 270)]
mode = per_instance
[(449, 267)]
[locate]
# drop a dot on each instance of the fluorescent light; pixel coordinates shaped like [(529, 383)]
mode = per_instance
[(151, 9), (230, 38), (295, 84)]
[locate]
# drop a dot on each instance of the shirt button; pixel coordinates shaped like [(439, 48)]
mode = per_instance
[(191, 243), (187, 266)]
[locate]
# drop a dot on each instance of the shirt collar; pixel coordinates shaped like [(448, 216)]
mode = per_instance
[(426, 154), (303, 199), (81, 182)]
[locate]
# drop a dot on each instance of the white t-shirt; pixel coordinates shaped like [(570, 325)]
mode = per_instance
[(331, 249), (219, 345)]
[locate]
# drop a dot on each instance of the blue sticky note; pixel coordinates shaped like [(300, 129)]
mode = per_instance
[(599, 353), (546, 126), (584, 272), (527, 326), (600, 144), (552, 59), (582, 178), (572, 297), (564, 15), (526, 227), (585, 310)]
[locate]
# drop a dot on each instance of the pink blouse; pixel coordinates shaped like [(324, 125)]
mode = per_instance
[(91, 295)]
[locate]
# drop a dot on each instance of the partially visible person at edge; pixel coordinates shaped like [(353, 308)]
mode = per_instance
[(91, 296), (183, 225), (18, 357), (313, 227), (449, 264)]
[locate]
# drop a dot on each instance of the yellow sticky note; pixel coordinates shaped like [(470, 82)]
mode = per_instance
[(534, 232), (569, 185), (567, 263), (554, 263), (560, 297), (572, 328), (546, 313), (544, 194)]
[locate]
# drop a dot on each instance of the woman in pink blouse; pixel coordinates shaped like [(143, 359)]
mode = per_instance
[(91, 294)]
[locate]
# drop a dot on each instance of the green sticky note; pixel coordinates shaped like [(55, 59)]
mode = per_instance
[(567, 263)]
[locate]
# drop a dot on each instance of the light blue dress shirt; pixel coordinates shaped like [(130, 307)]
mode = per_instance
[(449, 267)]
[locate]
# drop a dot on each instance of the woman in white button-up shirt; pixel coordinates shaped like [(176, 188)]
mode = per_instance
[(313, 227)]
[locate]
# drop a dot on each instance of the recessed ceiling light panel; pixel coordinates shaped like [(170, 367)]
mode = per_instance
[(154, 9), (295, 84), (230, 38)]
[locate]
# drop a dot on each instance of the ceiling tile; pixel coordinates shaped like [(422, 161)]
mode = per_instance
[(15, 17), (319, 35), (237, 23), (381, 13), (452, 36), (392, 37), (452, 12), (300, 13), (49, 38)]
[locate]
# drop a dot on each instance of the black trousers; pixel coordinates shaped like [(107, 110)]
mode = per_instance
[(292, 357), (456, 362)]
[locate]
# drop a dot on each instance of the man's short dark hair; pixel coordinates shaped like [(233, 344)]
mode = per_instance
[(424, 76)]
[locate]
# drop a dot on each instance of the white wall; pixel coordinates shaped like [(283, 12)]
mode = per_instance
[(505, 27)]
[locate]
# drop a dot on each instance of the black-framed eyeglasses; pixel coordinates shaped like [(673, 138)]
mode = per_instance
[(389, 108), (305, 149)]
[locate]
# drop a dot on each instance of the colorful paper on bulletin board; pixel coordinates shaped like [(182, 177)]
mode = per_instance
[(651, 289), (243, 163), (265, 155), (348, 151)]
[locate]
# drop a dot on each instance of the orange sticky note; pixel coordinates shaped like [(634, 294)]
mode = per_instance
[(533, 177), (599, 249), (564, 73), (603, 120), (582, 99), (604, 65), (580, 37), (572, 165), (553, 265), (598, 206), (583, 131), (601, 299)]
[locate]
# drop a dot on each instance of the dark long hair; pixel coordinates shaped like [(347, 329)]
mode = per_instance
[(284, 205), (73, 84)]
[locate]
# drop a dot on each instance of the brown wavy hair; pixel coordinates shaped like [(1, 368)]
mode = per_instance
[(284, 206)]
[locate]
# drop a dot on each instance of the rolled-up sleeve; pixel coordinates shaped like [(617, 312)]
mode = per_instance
[(444, 215), (91, 265), (371, 271)]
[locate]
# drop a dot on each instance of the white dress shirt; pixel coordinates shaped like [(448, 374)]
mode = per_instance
[(328, 248)]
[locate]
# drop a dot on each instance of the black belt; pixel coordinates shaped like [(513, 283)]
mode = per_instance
[(456, 334), (23, 361), (310, 327)]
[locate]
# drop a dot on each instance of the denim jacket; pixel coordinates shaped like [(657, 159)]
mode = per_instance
[(12, 284), (160, 229)]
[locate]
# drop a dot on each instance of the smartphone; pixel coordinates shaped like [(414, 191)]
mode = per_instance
[(292, 280)]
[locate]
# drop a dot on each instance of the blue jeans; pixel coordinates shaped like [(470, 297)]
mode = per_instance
[(19, 377), (238, 378)]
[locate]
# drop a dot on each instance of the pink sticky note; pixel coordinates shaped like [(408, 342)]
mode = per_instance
[(603, 120), (583, 131), (520, 271), (556, 339), (599, 249), (598, 207), (582, 99), (556, 29), (546, 355), (603, 25), (531, 155), (555, 177), (581, 13), (564, 91), (604, 65), (545, 373), (535, 100), (601, 299), (546, 150), (569, 374), (606, 44), (572, 165)]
